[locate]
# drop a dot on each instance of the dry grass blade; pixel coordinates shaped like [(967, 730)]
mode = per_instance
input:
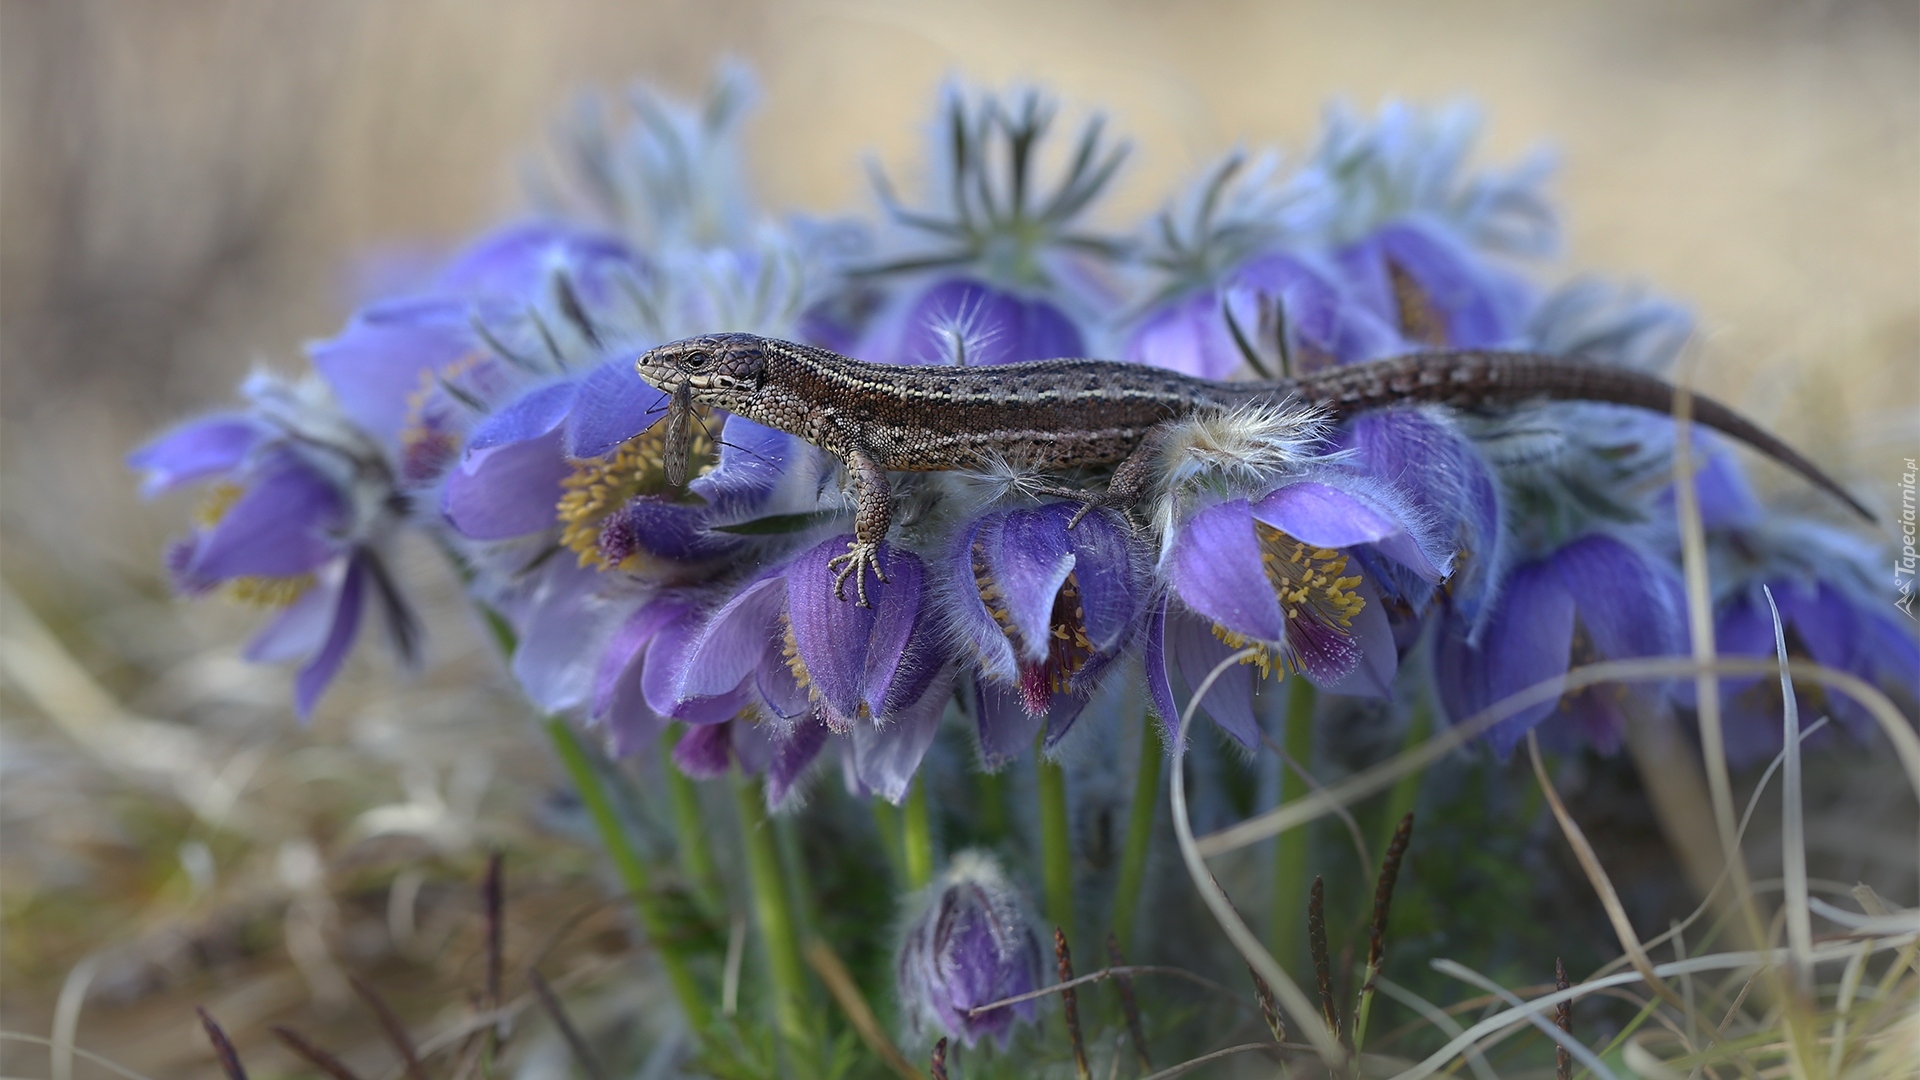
[(1070, 1004), (390, 1025), (583, 1055), (1193, 1063), (1602, 884), (222, 1047), (1899, 731), (1793, 824), (1561, 1039), (1236, 929), (315, 1056), (1129, 1005), (1433, 1014), (1102, 974), (846, 992)]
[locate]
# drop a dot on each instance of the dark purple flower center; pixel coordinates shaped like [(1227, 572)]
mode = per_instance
[(591, 498), (1314, 591)]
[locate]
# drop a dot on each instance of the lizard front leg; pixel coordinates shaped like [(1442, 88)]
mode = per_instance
[(1131, 479), (873, 513)]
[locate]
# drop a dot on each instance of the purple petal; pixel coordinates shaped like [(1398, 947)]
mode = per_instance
[(1107, 570), (1328, 516), (660, 678), (1372, 674), (967, 614), (515, 263), (705, 751), (673, 531), (832, 634), (1001, 328), (1188, 336), (779, 690), (1477, 305), (885, 756), (507, 491), (389, 352), (624, 649), (319, 671), (530, 416), (729, 648), (754, 460), (280, 527), (902, 657), (1159, 683), (1441, 473), (613, 405), (194, 451), (1622, 597), (1006, 728), (791, 754), (298, 631), (571, 614), (1216, 569), (1229, 703), (1028, 559), (1324, 324), (1527, 641)]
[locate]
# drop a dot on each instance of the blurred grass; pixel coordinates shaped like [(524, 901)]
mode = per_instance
[(189, 189)]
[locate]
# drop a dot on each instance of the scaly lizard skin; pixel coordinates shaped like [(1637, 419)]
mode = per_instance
[(1050, 415)]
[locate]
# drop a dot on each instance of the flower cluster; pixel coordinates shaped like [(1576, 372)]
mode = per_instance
[(658, 574)]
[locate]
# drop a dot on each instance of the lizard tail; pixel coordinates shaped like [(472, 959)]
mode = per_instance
[(1470, 378)]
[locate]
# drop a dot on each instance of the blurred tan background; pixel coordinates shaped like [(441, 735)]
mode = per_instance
[(187, 187)]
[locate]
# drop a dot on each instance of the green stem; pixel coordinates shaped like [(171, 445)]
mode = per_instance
[(918, 837), (771, 909), (1363, 1010), (1406, 791), (886, 818), (1288, 928), (1056, 848), (1133, 860), (990, 807), (626, 862), (696, 850)]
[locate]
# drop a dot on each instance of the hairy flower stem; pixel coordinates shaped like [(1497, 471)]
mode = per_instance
[(696, 852), (772, 910), (917, 838), (633, 873), (1290, 848), (886, 820), (990, 807), (1056, 849), (1403, 798), (1133, 859)]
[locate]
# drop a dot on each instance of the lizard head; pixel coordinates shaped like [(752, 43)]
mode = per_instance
[(721, 370)]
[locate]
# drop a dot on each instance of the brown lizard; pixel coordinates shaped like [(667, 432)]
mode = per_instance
[(1059, 414)]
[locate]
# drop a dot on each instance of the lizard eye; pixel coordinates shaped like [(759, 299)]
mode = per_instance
[(697, 361)]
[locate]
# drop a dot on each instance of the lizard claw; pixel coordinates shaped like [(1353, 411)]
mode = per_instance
[(858, 559)]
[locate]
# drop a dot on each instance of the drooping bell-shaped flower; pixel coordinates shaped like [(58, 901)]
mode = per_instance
[(1597, 598), (1274, 574), (970, 945), (296, 519)]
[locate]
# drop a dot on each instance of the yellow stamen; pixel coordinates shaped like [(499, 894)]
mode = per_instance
[(268, 591), (1068, 646), (216, 502), (601, 486), (790, 650), (1309, 583)]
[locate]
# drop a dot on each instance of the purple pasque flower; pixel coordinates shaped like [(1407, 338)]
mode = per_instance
[(1827, 623), (1276, 573), (418, 372), (1430, 286), (300, 504), (964, 321), (1267, 296), (1044, 611), (1599, 597), (808, 663), (1447, 483), (971, 944), (1823, 580)]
